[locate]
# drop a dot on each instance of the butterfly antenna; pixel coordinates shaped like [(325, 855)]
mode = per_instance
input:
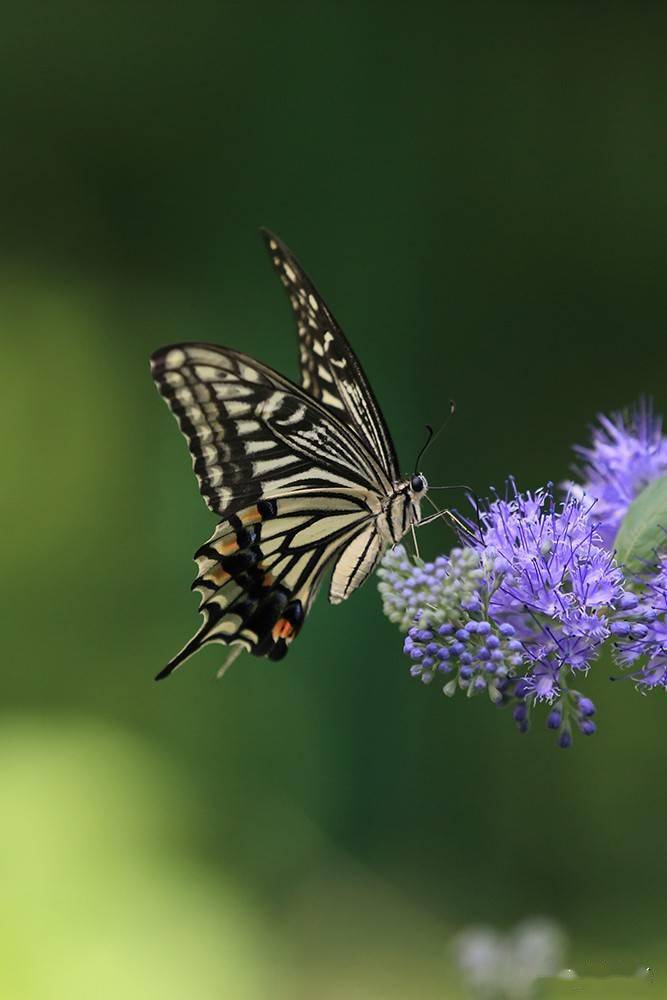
[(429, 438), (432, 435)]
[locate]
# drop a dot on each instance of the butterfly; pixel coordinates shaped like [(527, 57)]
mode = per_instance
[(305, 478)]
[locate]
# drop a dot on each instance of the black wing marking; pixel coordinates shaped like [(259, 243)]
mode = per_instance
[(330, 370), (253, 434), (261, 570)]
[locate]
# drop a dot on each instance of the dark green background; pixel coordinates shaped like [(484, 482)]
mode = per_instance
[(480, 191)]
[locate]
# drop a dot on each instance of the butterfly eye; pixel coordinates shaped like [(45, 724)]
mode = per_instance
[(418, 484)]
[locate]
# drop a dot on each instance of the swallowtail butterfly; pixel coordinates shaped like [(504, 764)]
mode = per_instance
[(305, 478)]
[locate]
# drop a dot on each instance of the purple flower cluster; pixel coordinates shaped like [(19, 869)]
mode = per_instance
[(454, 637), (442, 606), (516, 612), (478, 653), (640, 630), (627, 452), (522, 608), (558, 581)]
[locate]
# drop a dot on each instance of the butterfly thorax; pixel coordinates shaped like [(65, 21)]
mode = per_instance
[(402, 508)]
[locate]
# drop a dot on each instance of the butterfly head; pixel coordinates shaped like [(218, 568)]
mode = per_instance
[(418, 485), (416, 488)]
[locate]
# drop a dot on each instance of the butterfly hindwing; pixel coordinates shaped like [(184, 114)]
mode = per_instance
[(260, 571), (356, 562), (330, 370)]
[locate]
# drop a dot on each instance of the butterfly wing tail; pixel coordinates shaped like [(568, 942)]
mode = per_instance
[(188, 650), (261, 569), (193, 646), (242, 602)]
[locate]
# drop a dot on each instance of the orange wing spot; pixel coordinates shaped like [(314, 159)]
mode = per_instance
[(218, 575), (268, 580), (225, 548), (251, 516), (282, 630)]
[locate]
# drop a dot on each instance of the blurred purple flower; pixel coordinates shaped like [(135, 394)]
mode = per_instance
[(627, 452), (640, 630), (509, 965)]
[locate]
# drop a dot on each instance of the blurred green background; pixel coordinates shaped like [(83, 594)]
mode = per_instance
[(480, 192)]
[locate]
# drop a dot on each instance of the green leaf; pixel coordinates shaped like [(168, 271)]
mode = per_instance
[(643, 530)]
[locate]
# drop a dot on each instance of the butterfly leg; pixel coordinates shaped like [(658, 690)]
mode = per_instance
[(414, 541)]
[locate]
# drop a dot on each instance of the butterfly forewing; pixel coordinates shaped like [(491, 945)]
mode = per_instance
[(252, 433), (330, 370)]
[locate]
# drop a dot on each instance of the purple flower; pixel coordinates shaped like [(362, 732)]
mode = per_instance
[(406, 587), (448, 635), (627, 453), (558, 581), (640, 630), (542, 682), (524, 604)]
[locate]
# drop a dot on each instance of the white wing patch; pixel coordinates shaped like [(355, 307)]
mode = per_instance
[(356, 562)]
